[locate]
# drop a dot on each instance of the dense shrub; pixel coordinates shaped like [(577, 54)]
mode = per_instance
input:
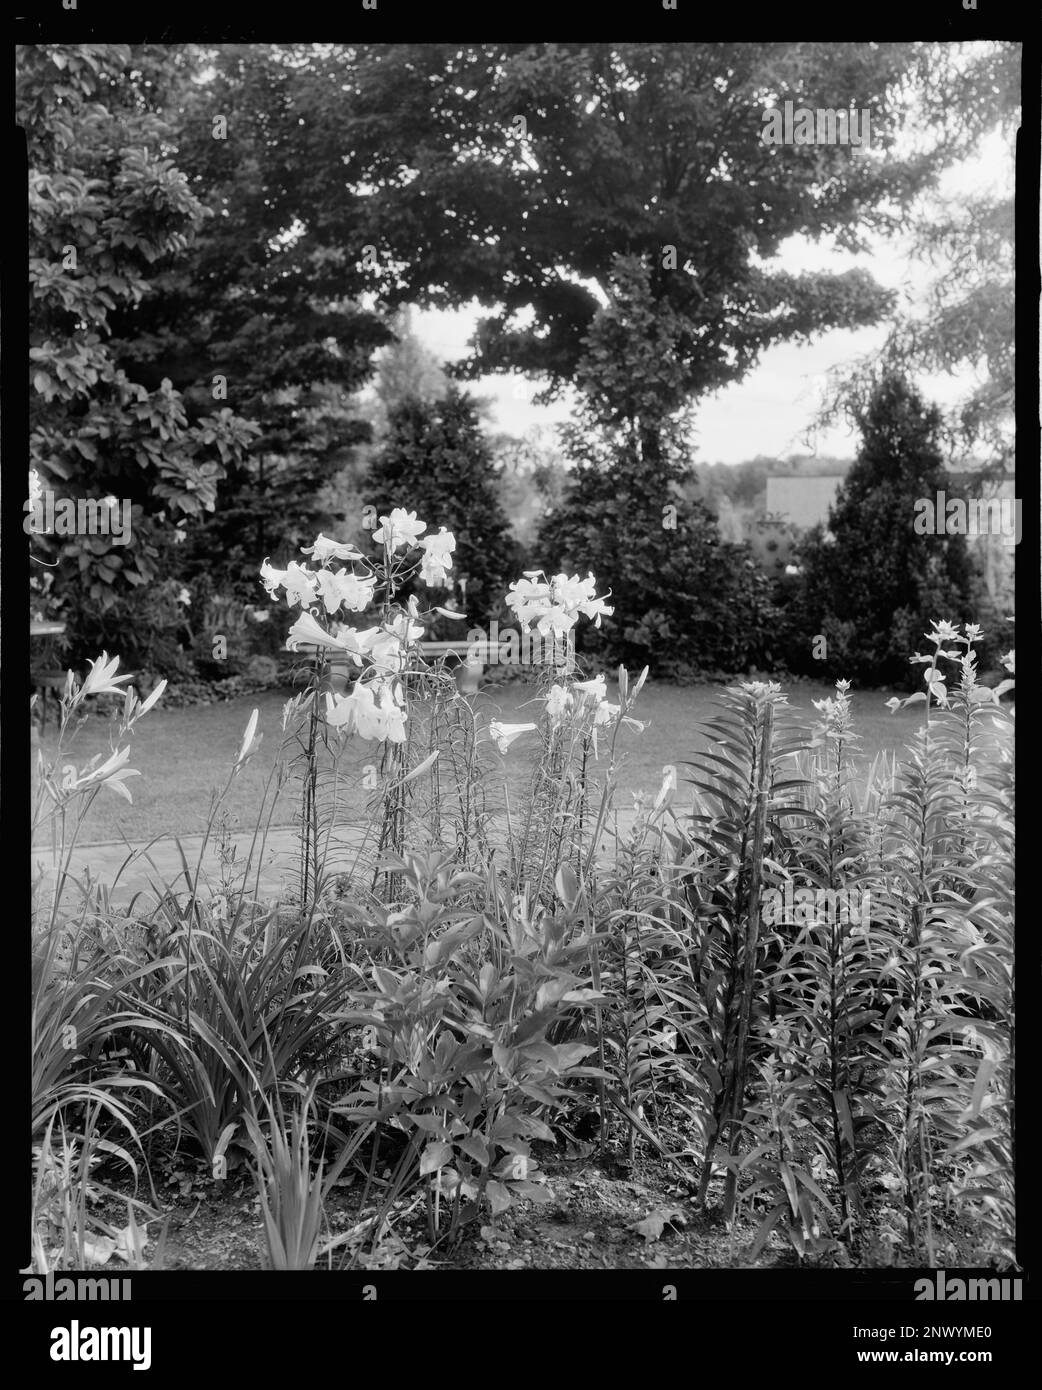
[(437, 456), (686, 603), (870, 583)]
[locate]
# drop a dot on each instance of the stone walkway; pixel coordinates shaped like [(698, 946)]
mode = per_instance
[(149, 868), (144, 868)]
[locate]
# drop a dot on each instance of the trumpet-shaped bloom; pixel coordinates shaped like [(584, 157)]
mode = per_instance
[(555, 619), (325, 550), (596, 609), (308, 632), (576, 596), (528, 598), (386, 655), (354, 713), (554, 606), (437, 559), (558, 702), (299, 583), (503, 735), (605, 713), (112, 773), (399, 529), (343, 588), (388, 649), (102, 678), (391, 705), (570, 593), (358, 642), (592, 691), (369, 717), (440, 545), (434, 571)]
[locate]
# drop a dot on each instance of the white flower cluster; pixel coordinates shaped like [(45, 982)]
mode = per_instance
[(343, 589), (376, 707), (401, 530), (583, 699), (554, 604), (582, 702)]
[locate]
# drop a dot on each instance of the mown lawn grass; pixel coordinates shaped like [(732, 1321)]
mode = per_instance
[(183, 755)]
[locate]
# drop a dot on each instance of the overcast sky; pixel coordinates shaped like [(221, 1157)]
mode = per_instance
[(771, 411)]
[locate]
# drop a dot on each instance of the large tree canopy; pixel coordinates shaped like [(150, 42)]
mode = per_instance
[(962, 322), (244, 218), (265, 309), (519, 174), (110, 217)]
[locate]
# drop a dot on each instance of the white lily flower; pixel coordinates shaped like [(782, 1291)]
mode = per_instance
[(354, 713), (503, 735), (596, 609), (593, 691), (433, 571), (308, 632), (440, 546), (271, 578), (299, 583), (388, 649), (556, 620), (558, 702), (111, 773), (528, 597), (393, 715), (358, 642), (344, 588), (324, 550), (555, 605), (401, 528), (362, 714), (102, 678)]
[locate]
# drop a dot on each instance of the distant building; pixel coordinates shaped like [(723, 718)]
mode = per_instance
[(804, 501), (801, 501)]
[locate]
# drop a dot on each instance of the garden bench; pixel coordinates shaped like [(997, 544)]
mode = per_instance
[(41, 678), (473, 658)]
